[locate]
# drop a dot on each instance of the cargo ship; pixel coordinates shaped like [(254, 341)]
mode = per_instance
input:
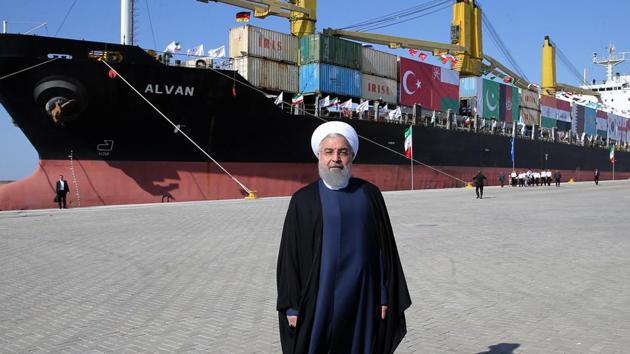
[(119, 121)]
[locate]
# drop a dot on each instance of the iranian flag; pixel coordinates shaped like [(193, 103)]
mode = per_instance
[(612, 154), (408, 143), (297, 99)]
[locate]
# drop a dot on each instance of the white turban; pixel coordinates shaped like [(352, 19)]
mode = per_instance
[(335, 127)]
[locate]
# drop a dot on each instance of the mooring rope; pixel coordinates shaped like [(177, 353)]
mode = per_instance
[(249, 191), (247, 84), (26, 69)]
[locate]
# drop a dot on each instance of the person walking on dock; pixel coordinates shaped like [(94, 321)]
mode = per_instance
[(596, 176), (557, 176), (341, 287), (479, 182), (62, 190)]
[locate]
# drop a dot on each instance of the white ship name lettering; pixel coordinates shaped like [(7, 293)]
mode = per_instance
[(158, 89)]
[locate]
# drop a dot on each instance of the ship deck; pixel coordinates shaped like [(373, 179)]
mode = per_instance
[(534, 270)]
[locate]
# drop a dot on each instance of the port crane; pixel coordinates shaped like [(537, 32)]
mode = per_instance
[(466, 41)]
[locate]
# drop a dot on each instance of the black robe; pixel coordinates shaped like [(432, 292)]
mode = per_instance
[(299, 264)]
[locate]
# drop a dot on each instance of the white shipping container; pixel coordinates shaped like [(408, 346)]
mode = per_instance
[(379, 88), (379, 63), (253, 41), (268, 74)]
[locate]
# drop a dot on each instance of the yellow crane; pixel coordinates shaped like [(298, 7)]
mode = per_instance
[(548, 83), (302, 14)]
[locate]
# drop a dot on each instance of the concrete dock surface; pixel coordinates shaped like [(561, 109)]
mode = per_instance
[(524, 270)]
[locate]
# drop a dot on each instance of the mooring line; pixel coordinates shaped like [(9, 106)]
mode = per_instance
[(249, 191)]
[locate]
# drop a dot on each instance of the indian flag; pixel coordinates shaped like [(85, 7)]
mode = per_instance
[(408, 143), (612, 154), (297, 99)]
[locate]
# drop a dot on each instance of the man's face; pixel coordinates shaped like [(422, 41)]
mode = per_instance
[(335, 161), (335, 153), (60, 177)]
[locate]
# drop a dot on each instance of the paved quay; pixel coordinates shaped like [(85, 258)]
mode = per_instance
[(525, 270)]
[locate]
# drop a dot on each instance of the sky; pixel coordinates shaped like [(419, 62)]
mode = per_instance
[(578, 27)]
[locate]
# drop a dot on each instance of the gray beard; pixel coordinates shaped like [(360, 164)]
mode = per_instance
[(335, 178)]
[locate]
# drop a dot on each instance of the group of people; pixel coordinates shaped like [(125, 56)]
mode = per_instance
[(530, 178)]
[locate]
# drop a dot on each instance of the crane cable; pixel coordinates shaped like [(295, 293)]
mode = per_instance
[(399, 16), (501, 46), (567, 63)]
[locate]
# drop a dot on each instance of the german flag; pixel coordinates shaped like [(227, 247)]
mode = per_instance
[(243, 16)]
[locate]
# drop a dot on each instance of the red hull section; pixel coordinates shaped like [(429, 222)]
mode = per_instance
[(102, 183)]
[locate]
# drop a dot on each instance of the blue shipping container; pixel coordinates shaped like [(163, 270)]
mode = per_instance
[(326, 78)]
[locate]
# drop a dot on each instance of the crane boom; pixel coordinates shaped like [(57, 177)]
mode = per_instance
[(301, 13), (518, 81), (395, 42)]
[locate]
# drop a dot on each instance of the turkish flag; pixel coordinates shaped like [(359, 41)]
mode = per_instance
[(430, 86)]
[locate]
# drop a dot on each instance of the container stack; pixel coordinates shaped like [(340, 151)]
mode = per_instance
[(267, 59), (330, 65), (379, 75)]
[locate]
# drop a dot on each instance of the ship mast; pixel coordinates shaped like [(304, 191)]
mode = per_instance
[(612, 60), (126, 22)]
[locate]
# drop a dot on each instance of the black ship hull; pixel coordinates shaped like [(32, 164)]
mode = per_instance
[(85, 121)]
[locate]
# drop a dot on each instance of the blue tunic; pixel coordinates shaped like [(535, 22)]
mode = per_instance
[(350, 274)]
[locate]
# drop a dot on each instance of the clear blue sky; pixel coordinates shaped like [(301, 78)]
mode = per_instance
[(579, 27)]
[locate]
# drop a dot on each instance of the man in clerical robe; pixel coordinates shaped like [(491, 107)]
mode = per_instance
[(341, 287)]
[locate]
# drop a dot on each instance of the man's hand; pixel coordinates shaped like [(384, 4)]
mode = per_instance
[(383, 311), (292, 321)]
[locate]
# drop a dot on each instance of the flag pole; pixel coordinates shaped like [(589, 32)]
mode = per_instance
[(411, 160)]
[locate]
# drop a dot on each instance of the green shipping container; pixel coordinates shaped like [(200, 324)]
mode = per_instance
[(318, 48)]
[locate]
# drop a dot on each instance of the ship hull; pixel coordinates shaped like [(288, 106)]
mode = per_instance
[(118, 146), (96, 183)]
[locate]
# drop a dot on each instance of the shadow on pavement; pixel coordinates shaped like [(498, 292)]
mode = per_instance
[(501, 348)]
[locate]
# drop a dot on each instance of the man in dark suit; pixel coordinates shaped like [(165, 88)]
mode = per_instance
[(479, 182), (62, 189)]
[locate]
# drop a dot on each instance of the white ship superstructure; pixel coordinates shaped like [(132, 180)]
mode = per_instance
[(615, 89)]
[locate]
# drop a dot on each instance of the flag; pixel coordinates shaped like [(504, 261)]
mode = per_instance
[(217, 52), (324, 102), (395, 114), (243, 16), (612, 154), (422, 56), (444, 58), (297, 99), (512, 149), (409, 143), (334, 102), (364, 106), (430, 86), (413, 52), (279, 99), (198, 50), (346, 105), (454, 60), (173, 47)]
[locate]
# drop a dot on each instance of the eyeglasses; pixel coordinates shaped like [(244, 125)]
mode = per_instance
[(343, 152)]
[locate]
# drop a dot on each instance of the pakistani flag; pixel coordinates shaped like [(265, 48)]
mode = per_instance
[(408, 143), (490, 99), (612, 154)]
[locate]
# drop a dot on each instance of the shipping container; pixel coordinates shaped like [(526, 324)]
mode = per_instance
[(379, 63), (379, 88), (318, 48), (268, 74), (250, 41), (326, 78)]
